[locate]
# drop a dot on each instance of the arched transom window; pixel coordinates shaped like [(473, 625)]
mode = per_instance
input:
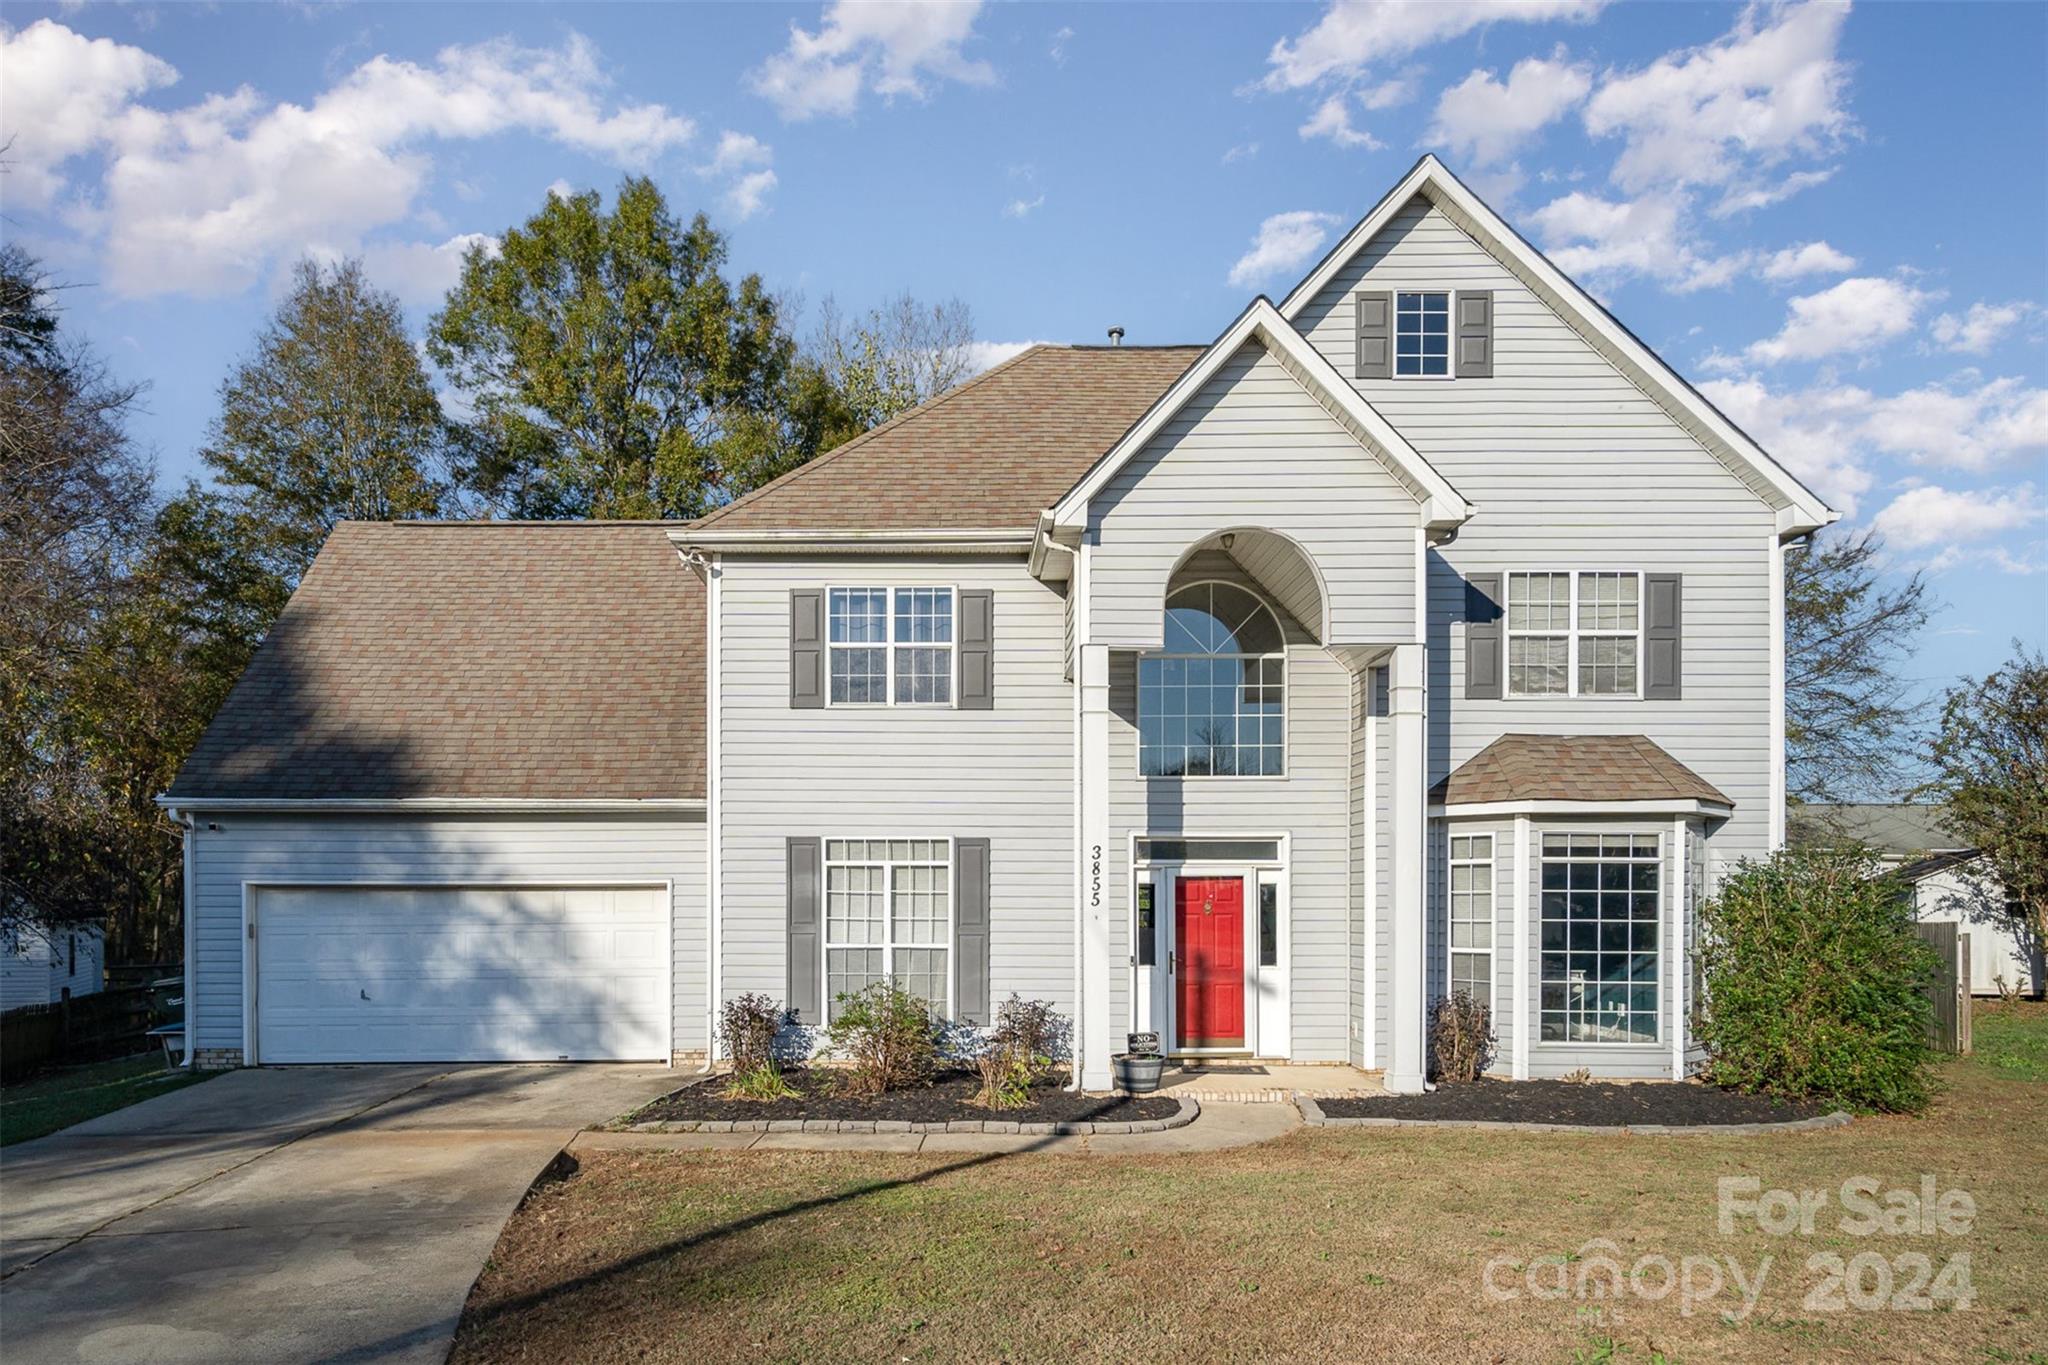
[(1212, 703)]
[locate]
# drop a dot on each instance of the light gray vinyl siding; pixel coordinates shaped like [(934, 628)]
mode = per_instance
[(1308, 804), (480, 849), (1254, 449), (1571, 466), (1004, 774)]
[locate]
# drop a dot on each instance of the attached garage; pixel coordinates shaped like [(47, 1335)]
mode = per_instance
[(459, 973)]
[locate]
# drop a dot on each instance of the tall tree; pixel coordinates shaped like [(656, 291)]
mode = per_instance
[(896, 356), (1849, 708), (614, 371), (332, 417), (1990, 767)]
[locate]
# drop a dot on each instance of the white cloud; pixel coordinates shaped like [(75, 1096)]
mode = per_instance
[(1023, 208), (1488, 120), (1722, 112), (1286, 241), (1058, 51), (206, 198), (1808, 258), (1930, 516), (1389, 94), (66, 93), (887, 47), (1332, 119), (1855, 315), (1743, 198), (423, 272), (738, 151), (1978, 330), (1832, 436), (748, 195), (1605, 240), (559, 188), (1243, 151), (1354, 35), (986, 355)]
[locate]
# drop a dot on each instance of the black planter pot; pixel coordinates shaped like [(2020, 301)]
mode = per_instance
[(1137, 1074)]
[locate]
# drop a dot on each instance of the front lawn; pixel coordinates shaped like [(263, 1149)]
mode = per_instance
[(35, 1108), (1332, 1243), (2012, 1039)]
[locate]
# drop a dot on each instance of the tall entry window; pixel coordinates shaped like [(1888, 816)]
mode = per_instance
[(1213, 702), (1601, 947)]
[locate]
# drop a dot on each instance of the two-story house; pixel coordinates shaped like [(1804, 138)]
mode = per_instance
[(1421, 632)]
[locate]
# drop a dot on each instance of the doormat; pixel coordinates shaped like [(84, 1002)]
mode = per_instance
[(1225, 1069)]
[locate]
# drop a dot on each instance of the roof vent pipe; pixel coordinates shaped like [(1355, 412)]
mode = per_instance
[(1116, 336)]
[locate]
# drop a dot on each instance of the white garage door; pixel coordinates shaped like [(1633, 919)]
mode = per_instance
[(460, 974)]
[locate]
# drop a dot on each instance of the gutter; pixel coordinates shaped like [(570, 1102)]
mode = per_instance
[(1005, 541), (427, 805), (191, 841)]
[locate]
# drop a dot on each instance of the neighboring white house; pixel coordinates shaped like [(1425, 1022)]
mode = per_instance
[(1422, 631), (38, 965), (1951, 883)]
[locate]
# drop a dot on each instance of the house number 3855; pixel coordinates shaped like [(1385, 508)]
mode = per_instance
[(1095, 877)]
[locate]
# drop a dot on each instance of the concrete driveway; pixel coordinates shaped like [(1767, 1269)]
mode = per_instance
[(300, 1214)]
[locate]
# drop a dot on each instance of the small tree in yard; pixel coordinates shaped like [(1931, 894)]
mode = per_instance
[(1813, 982), (1990, 760)]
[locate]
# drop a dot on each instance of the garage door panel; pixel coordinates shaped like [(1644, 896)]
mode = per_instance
[(461, 974)]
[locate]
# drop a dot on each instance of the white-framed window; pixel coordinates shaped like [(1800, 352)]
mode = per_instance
[(1472, 916), (1422, 334), (1213, 702), (889, 917), (1600, 950), (1575, 634), (890, 646)]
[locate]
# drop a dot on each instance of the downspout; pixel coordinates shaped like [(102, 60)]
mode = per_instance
[(191, 842)]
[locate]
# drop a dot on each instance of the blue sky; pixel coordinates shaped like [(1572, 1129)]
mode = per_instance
[(1834, 220)]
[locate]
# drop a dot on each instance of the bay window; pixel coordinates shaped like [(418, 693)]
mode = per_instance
[(1601, 945)]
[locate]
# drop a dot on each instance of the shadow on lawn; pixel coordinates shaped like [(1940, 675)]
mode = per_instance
[(473, 1319)]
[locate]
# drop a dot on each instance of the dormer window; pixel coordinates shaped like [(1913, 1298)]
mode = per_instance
[(1422, 335)]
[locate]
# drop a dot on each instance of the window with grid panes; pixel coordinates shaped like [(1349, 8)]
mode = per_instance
[(1422, 334), (890, 646), (1213, 702), (1600, 945), (1574, 634), (1472, 916), (889, 917)]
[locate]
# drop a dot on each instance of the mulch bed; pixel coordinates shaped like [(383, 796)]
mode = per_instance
[(1599, 1103), (949, 1098)]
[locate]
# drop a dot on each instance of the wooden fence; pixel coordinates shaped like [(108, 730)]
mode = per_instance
[(86, 1028), (1948, 1029)]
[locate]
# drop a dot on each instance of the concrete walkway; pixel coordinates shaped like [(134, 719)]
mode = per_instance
[(302, 1214), (1215, 1128)]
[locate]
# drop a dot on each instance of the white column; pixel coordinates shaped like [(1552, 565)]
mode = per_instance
[(1407, 712), (1095, 1036), (1526, 1021), (1681, 967)]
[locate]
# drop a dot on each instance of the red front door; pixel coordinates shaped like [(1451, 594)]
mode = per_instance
[(1208, 928)]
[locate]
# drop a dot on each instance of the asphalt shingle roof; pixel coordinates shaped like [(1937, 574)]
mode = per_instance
[(1574, 768), (544, 661), (989, 455)]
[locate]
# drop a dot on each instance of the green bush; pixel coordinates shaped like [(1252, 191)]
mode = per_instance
[(1814, 981), (889, 1036)]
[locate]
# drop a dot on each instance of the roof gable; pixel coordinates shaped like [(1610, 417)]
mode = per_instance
[(1441, 506), (1799, 509)]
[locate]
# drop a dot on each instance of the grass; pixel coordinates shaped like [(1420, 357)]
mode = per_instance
[(2012, 1039), (1329, 1243), (36, 1108)]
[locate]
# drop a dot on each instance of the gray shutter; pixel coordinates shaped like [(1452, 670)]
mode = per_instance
[(1475, 333), (977, 650), (806, 990), (1375, 335), (807, 648), (1663, 642), (1482, 636), (970, 931)]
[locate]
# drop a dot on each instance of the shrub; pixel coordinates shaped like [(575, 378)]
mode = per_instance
[(1034, 1032), (1813, 982), (1460, 1038), (1006, 1076), (748, 1025), (888, 1035)]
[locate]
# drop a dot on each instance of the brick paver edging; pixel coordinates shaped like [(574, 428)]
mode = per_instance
[(1188, 1110), (1312, 1115)]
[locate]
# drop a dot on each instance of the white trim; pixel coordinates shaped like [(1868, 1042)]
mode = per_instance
[(714, 824), (431, 804), (251, 1054), (890, 644), (1712, 810), (1572, 634), (1441, 506), (1492, 865), (1078, 583), (1433, 181), (1000, 540), (1775, 550), (1371, 834), (1681, 887), (1525, 1018), (191, 931)]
